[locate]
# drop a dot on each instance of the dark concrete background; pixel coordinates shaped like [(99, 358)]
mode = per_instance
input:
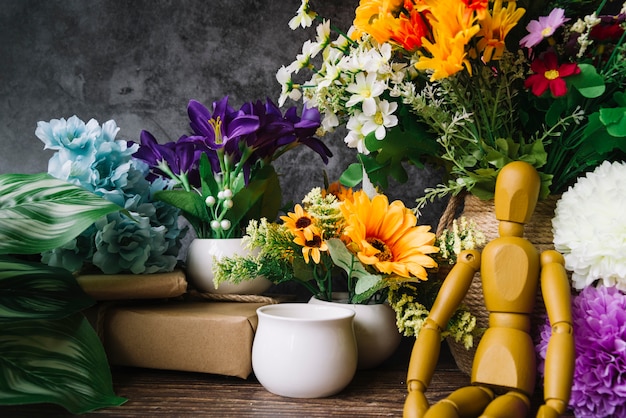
[(139, 63)]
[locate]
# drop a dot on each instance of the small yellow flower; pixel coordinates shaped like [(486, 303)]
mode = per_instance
[(311, 247), (386, 236), (299, 222)]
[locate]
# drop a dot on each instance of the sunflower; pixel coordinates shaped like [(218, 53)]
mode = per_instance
[(300, 222), (311, 247), (386, 236)]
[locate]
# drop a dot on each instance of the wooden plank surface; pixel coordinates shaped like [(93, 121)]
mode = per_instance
[(378, 392)]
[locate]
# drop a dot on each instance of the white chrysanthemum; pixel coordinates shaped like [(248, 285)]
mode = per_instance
[(590, 227)]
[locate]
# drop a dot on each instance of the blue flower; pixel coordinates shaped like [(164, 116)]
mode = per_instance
[(89, 156)]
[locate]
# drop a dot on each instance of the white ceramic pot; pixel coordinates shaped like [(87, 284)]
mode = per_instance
[(303, 350), (200, 259), (377, 335)]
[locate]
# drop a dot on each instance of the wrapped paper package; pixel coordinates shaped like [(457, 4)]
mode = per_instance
[(134, 286), (197, 336)]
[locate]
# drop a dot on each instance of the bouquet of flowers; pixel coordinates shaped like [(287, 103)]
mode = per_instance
[(460, 84), (371, 243), (589, 229), (222, 174), (89, 156)]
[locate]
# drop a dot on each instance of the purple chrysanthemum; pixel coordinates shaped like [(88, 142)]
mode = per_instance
[(543, 27), (599, 386)]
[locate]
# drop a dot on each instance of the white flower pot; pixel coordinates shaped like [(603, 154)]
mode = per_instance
[(302, 350), (200, 259), (377, 335)]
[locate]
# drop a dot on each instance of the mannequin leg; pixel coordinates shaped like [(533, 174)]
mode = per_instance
[(509, 405), (467, 402)]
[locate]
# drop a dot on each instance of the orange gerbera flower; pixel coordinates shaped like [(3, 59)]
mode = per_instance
[(299, 222), (495, 27), (311, 247), (386, 236)]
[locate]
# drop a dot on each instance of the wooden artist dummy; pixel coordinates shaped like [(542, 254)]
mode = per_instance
[(504, 372)]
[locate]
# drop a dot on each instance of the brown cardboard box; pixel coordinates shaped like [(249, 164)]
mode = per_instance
[(199, 336)]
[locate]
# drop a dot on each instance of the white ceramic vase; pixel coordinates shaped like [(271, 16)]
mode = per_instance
[(303, 350), (200, 259), (377, 335)]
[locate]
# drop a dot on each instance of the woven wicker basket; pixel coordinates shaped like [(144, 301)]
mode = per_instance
[(538, 231)]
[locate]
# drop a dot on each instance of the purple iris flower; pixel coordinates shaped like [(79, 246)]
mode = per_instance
[(224, 128), (170, 159)]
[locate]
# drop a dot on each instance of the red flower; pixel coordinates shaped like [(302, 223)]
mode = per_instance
[(548, 74)]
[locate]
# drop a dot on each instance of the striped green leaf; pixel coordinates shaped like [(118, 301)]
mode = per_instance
[(35, 291), (39, 212), (58, 362)]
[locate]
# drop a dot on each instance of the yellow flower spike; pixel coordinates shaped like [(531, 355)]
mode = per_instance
[(386, 236)]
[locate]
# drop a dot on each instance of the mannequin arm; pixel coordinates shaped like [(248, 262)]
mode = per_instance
[(427, 346), (559, 369)]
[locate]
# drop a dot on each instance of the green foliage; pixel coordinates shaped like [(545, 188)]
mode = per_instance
[(39, 212), (261, 197), (48, 351)]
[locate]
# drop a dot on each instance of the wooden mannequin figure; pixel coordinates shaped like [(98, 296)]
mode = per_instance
[(503, 372)]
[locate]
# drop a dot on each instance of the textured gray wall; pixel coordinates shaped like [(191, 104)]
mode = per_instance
[(139, 63)]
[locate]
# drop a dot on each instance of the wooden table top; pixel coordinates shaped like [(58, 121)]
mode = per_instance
[(378, 392)]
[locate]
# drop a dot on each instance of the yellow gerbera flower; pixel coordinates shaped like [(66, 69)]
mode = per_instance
[(300, 222), (311, 247), (386, 236)]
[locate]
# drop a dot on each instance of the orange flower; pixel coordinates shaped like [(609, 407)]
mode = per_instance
[(341, 192), (386, 236), (376, 18), (411, 30), (300, 222), (313, 246), (454, 24)]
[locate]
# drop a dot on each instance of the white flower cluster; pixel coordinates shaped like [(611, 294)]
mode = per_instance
[(590, 227), (354, 82)]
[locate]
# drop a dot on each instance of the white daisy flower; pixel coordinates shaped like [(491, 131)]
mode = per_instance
[(382, 119), (364, 90)]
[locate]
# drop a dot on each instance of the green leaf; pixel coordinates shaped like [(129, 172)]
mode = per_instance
[(61, 362), (588, 82), (261, 198), (352, 176), (343, 258), (615, 120), (31, 290), (192, 204), (39, 212)]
